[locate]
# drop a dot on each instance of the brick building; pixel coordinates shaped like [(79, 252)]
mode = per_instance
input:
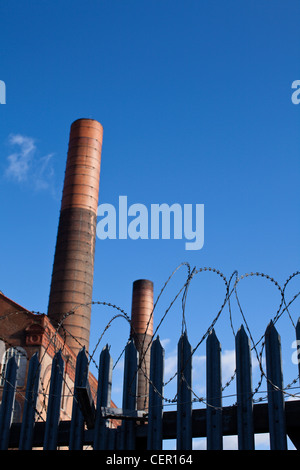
[(22, 334)]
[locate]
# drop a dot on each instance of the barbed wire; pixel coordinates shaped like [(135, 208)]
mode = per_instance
[(231, 286)]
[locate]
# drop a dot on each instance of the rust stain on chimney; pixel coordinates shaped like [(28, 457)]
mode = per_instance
[(73, 267), (142, 332)]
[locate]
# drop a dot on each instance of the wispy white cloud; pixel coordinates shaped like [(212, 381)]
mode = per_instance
[(19, 162), (228, 364), (44, 172), (170, 365), (165, 342), (25, 165)]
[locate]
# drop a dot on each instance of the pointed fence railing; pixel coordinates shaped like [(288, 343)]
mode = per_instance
[(90, 424)]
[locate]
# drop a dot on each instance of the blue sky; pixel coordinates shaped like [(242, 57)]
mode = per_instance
[(195, 101)]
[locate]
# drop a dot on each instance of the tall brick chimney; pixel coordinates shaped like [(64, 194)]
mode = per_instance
[(142, 332), (73, 267)]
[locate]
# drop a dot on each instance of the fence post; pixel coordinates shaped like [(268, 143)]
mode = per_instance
[(8, 397), (28, 420), (294, 434), (244, 391), (77, 421), (154, 438), (298, 344), (277, 427), (127, 431), (213, 393), (184, 394), (54, 403), (103, 399)]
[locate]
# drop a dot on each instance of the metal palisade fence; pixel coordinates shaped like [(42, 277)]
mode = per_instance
[(91, 424)]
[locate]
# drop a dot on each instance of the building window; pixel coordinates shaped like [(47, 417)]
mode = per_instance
[(21, 360)]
